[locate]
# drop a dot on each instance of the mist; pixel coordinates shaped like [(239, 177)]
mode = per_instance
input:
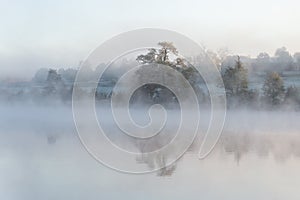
[(42, 156), (149, 100)]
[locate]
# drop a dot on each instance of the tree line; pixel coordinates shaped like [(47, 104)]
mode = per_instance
[(273, 93), (50, 85)]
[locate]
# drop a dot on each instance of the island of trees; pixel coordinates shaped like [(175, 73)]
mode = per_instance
[(263, 82)]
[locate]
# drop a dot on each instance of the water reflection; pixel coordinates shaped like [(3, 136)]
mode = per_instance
[(257, 157), (241, 167), (279, 147)]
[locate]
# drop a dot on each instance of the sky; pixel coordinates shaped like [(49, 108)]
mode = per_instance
[(60, 34)]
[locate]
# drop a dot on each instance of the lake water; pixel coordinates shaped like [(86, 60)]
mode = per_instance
[(257, 157)]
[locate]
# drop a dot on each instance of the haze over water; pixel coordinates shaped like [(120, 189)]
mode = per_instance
[(257, 157)]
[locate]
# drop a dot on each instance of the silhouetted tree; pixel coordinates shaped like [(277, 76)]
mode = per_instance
[(236, 83), (292, 97), (273, 89), (55, 87), (163, 56)]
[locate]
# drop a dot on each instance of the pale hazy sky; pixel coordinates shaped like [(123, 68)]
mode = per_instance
[(57, 33)]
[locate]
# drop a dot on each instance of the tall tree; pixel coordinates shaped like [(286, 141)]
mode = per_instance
[(167, 54), (159, 56), (236, 82), (273, 89)]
